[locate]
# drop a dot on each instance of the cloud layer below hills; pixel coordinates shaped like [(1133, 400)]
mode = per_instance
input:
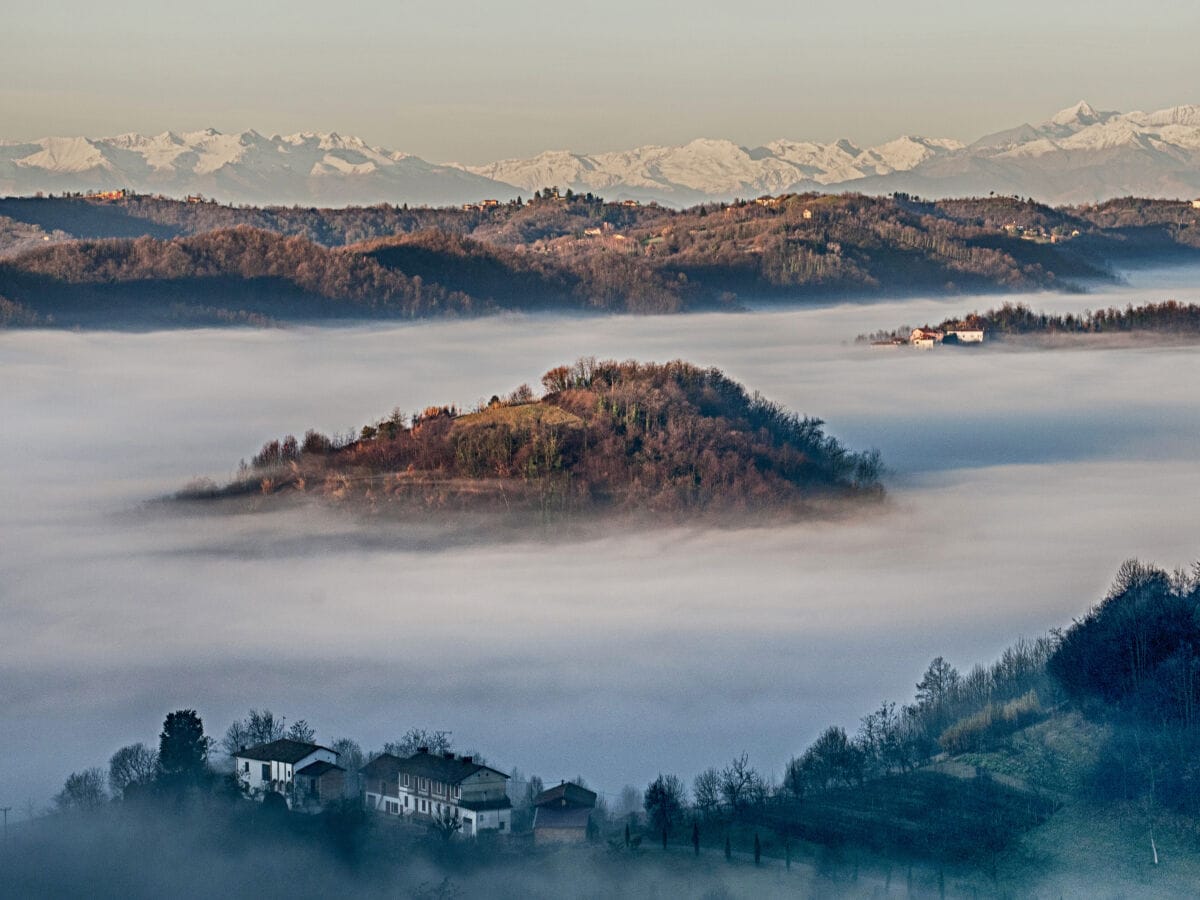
[(1021, 480)]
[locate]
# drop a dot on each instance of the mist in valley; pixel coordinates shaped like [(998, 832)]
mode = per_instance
[(1019, 480)]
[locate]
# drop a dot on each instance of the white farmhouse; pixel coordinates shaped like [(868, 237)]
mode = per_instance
[(966, 335), (426, 787), (273, 766), (925, 338)]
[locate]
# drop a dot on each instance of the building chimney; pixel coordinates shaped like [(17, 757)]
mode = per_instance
[(468, 759), (422, 749), (448, 754)]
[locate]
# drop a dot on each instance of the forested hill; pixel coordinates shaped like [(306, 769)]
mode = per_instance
[(1167, 320), (670, 439), (142, 261)]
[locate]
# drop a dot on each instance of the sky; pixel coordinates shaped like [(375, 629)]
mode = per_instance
[(472, 81)]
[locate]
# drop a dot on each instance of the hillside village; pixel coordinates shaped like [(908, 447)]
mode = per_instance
[(927, 338), (1169, 320), (1076, 741), (449, 793)]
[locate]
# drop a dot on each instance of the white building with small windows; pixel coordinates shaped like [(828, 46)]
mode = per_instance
[(273, 767), (925, 337), (428, 786), (966, 335)]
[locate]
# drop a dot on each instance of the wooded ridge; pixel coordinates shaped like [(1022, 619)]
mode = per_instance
[(149, 262)]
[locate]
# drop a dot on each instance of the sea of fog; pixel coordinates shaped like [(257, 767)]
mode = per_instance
[(1020, 479)]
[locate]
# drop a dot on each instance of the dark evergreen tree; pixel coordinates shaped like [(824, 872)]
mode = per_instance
[(183, 749)]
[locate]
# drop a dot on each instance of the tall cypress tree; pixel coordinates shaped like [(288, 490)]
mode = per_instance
[(182, 749)]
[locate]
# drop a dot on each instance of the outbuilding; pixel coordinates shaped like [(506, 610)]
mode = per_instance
[(562, 814)]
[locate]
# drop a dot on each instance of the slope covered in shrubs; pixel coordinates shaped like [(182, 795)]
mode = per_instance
[(625, 436)]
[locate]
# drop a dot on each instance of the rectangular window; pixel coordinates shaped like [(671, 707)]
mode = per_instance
[(501, 824), (266, 771)]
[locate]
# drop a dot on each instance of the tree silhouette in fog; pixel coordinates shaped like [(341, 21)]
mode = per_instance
[(183, 749)]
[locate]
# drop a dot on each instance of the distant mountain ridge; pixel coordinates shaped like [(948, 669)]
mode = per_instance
[(1078, 155), (306, 168)]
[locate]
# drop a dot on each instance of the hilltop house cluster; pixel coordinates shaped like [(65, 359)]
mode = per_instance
[(1038, 233), (928, 338), (426, 788)]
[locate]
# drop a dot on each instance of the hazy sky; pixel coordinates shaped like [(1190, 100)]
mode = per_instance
[(472, 81)]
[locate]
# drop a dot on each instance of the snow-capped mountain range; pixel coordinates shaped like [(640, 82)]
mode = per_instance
[(1078, 155), (306, 168)]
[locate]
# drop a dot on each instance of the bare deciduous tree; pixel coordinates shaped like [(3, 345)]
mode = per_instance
[(302, 731), (664, 802), (447, 824), (739, 782), (82, 791), (416, 738), (257, 728), (706, 791), (134, 765), (351, 758)]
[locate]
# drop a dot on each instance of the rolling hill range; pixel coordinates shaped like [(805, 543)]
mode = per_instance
[(140, 261)]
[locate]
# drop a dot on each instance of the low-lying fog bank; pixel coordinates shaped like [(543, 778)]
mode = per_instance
[(1020, 481)]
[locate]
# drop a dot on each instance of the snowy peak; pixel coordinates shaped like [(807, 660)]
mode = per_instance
[(247, 167), (67, 155), (1187, 116), (714, 168), (1081, 113), (1080, 154)]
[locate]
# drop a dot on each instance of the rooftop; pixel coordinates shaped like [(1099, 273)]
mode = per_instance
[(283, 750), (383, 766), (566, 794), (446, 768)]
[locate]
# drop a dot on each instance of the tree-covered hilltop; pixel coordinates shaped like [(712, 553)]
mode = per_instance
[(151, 261), (1169, 319), (1086, 733), (628, 437)]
